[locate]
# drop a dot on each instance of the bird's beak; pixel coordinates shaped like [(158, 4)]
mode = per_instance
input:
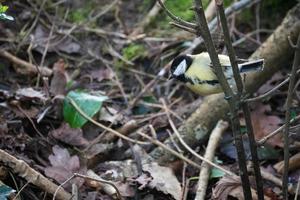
[(170, 77)]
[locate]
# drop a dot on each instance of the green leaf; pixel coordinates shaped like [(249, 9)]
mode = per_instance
[(89, 104), (3, 9), (141, 109), (267, 152), (216, 173), (293, 114), (5, 191)]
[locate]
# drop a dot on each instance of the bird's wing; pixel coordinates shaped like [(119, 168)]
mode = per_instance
[(224, 61)]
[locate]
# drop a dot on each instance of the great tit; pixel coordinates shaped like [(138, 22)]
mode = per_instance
[(197, 73)]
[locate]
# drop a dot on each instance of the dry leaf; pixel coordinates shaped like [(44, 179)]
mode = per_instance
[(103, 74), (264, 124), (270, 84), (63, 167), (57, 42), (72, 136), (163, 179), (231, 186), (59, 79), (30, 94)]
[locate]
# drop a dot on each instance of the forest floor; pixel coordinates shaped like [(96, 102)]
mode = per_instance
[(105, 58)]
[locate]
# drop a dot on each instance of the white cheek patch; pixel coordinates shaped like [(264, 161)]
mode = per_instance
[(181, 68)]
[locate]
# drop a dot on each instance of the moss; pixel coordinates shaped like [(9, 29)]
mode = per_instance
[(227, 3), (145, 5), (81, 14), (180, 8), (134, 51)]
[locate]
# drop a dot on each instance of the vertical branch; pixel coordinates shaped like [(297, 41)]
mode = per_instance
[(296, 66), (253, 150), (231, 52), (202, 25), (229, 95), (245, 107)]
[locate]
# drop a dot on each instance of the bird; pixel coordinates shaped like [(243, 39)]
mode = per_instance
[(197, 72)]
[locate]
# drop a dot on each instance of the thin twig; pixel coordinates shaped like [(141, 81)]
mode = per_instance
[(90, 178), (295, 67), (31, 175), (32, 25), (212, 145), (183, 143), (235, 7), (248, 35), (25, 67), (257, 20), (264, 139), (245, 107), (31, 121), (73, 103), (270, 92), (230, 97), (297, 189), (165, 147), (188, 29), (175, 18), (21, 189)]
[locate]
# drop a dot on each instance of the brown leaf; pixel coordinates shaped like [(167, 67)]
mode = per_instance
[(57, 42), (63, 167), (163, 179), (276, 78), (103, 74), (125, 189), (264, 124), (62, 158), (59, 79), (231, 186), (60, 174), (72, 136)]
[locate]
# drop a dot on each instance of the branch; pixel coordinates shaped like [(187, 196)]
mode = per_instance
[(25, 171), (245, 107), (295, 67), (175, 18), (237, 6), (24, 67), (212, 145), (232, 99), (264, 139)]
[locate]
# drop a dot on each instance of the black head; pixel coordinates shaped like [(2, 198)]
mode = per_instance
[(180, 65)]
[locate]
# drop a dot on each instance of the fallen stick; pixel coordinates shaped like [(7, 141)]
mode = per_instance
[(209, 155), (25, 171), (24, 67)]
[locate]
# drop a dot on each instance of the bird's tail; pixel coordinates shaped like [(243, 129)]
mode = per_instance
[(255, 65)]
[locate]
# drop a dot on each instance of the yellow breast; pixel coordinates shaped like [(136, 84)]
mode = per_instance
[(201, 69), (204, 89)]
